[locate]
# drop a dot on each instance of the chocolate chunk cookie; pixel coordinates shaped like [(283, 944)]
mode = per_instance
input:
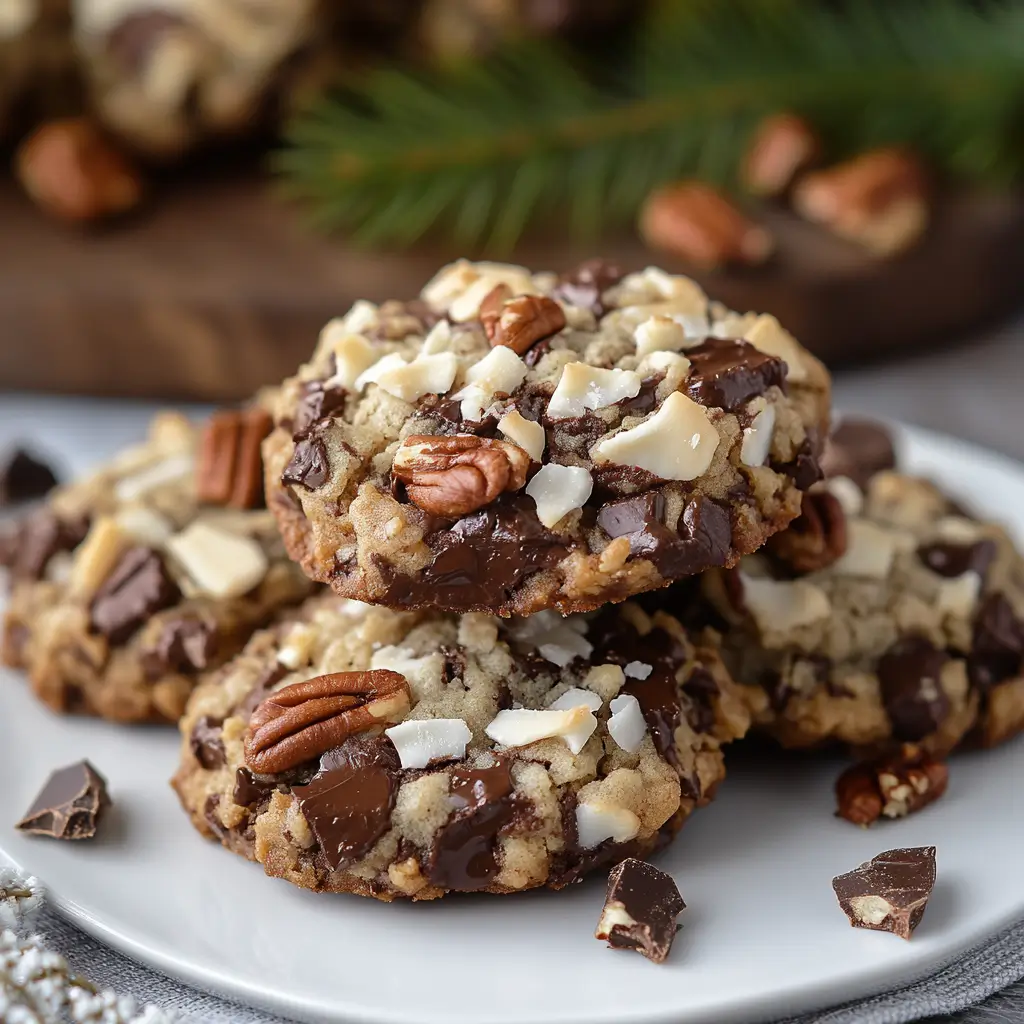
[(410, 754), (512, 442), (883, 616), (131, 582)]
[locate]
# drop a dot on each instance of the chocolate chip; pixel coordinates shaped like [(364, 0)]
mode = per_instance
[(726, 374), (584, 286), (24, 477), (952, 560), (640, 910), (348, 802), (316, 404), (858, 449), (186, 645), (249, 789), (36, 539), (804, 470), (890, 892), (207, 742), (308, 465), (137, 588), (997, 647), (463, 857), (70, 805), (909, 674)]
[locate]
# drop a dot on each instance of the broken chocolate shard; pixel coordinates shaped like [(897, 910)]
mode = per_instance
[(24, 477), (309, 466), (70, 805), (317, 403), (640, 910), (858, 449), (890, 892), (910, 676), (726, 374), (186, 645), (138, 587)]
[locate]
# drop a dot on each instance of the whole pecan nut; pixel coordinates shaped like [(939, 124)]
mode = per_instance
[(453, 476), (891, 786), (521, 321), (304, 720), (230, 469), (782, 147), (815, 539)]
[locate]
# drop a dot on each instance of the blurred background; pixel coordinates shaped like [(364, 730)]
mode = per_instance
[(196, 186)]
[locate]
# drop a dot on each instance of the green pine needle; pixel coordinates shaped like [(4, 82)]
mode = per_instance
[(526, 136)]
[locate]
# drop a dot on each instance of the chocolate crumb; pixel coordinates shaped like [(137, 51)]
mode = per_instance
[(70, 805), (640, 910)]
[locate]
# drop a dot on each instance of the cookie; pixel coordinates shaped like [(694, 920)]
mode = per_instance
[(410, 754), (509, 442), (883, 616), (129, 583)]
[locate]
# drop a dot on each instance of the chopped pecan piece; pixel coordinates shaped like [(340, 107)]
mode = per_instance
[(519, 322), (453, 476), (782, 147), (304, 720), (815, 539), (230, 468), (891, 786)]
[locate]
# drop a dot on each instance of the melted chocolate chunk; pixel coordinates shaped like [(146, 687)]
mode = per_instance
[(645, 399), (348, 802), (584, 286), (137, 588), (804, 469), (910, 677), (308, 466), (464, 855), (186, 645), (640, 910), (703, 540), (889, 892), (952, 560), (250, 790), (70, 805), (316, 404), (702, 691), (24, 477), (858, 449), (36, 539), (997, 649), (726, 374), (479, 560), (207, 742)]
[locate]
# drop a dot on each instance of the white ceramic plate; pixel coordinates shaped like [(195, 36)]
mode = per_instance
[(762, 937)]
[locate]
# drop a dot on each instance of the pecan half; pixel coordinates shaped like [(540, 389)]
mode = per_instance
[(519, 322), (815, 539), (891, 786), (304, 720), (453, 476), (230, 468), (782, 147)]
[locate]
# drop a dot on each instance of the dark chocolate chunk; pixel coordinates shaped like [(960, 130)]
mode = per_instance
[(889, 892), (804, 470), (24, 477), (70, 805), (644, 400), (702, 691), (308, 465), (479, 560), (463, 857), (910, 677), (36, 539), (137, 588), (186, 645), (640, 910), (997, 648), (207, 742), (348, 802), (953, 560), (858, 449), (316, 404), (726, 374), (584, 286), (250, 789)]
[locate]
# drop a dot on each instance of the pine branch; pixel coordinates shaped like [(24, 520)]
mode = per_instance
[(488, 149)]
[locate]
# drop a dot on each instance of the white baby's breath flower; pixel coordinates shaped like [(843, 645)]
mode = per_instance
[(20, 898)]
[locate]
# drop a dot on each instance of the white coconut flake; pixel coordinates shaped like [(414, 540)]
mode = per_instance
[(597, 822), (519, 727), (757, 438), (558, 490), (627, 725), (526, 433), (420, 742), (576, 697), (637, 670), (582, 387)]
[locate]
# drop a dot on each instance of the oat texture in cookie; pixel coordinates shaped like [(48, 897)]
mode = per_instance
[(127, 584), (513, 442), (410, 754), (884, 615)]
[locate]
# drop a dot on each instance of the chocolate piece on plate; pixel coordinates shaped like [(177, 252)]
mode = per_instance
[(70, 805), (24, 477), (889, 892), (640, 910)]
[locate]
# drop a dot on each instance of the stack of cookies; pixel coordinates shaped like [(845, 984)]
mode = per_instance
[(531, 551)]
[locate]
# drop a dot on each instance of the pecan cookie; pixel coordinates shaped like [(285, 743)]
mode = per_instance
[(409, 754), (883, 615), (512, 442), (128, 584)]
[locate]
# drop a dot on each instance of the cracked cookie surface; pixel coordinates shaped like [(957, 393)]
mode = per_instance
[(512, 442), (128, 583), (409, 754)]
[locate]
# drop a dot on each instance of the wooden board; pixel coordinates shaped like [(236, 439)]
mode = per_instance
[(220, 289)]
